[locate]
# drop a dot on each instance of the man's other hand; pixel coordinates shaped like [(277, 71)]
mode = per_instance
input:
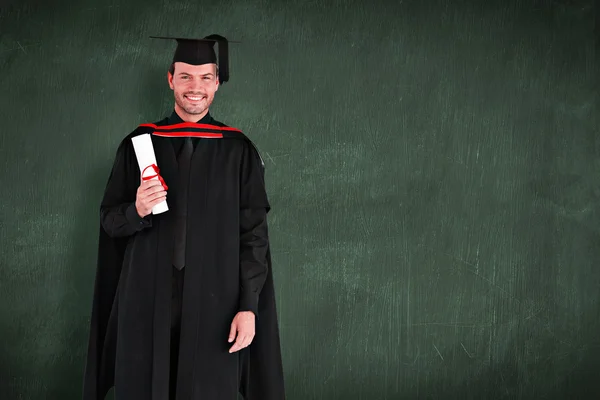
[(242, 327)]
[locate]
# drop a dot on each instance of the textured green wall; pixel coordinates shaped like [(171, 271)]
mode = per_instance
[(433, 168)]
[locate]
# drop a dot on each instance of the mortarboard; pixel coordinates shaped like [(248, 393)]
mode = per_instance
[(201, 51)]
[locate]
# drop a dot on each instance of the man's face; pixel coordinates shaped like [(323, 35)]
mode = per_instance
[(194, 87)]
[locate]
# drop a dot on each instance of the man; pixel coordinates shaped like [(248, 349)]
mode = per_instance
[(184, 305)]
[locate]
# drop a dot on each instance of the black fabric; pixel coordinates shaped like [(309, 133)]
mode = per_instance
[(176, 304), (228, 270), (181, 200)]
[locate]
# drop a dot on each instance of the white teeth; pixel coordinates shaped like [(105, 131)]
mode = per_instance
[(194, 98)]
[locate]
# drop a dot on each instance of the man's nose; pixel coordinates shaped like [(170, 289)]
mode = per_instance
[(196, 84)]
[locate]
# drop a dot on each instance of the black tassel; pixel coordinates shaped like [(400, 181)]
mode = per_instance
[(223, 56)]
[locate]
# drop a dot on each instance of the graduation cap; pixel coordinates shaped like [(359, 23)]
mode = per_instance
[(201, 51)]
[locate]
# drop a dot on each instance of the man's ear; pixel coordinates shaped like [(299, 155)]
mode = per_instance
[(170, 80)]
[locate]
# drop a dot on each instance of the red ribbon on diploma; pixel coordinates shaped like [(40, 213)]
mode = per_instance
[(156, 170)]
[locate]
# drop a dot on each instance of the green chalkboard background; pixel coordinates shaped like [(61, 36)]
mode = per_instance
[(433, 166)]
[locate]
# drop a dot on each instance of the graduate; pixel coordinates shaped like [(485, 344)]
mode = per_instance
[(184, 302)]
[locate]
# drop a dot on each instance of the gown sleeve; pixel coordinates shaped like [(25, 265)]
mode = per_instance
[(118, 214), (254, 237)]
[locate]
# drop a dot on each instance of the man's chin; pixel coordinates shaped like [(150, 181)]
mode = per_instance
[(194, 111)]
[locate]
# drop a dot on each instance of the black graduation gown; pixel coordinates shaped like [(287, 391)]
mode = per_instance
[(228, 269)]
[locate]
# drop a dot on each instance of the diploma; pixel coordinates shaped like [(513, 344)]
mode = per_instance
[(144, 152)]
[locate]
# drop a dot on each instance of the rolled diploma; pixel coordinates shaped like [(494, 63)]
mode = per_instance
[(144, 151)]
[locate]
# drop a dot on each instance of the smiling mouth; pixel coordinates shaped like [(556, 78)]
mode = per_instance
[(194, 98)]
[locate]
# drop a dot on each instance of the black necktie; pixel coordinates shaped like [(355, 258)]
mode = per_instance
[(184, 161)]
